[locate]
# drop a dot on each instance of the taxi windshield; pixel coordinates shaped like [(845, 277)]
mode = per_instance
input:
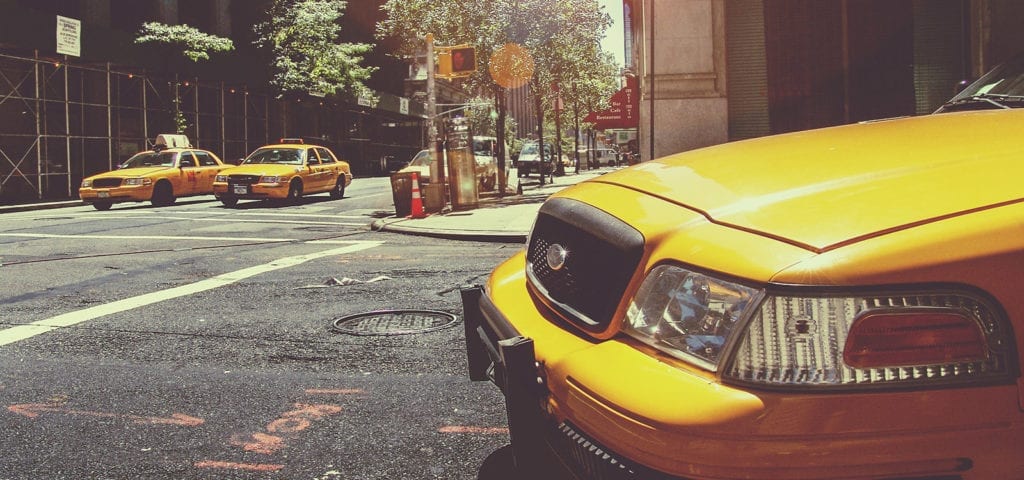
[(150, 159), (1002, 87), (284, 156)]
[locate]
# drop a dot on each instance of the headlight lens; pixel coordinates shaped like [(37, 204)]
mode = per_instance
[(687, 314), (272, 179), (87, 183), (135, 182), (221, 179), (873, 340)]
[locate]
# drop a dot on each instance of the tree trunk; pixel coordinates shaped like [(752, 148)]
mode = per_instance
[(539, 107), (499, 133)]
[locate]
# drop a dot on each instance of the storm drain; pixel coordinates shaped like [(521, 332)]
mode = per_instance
[(394, 322)]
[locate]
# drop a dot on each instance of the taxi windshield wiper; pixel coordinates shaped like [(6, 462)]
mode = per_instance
[(999, 100)]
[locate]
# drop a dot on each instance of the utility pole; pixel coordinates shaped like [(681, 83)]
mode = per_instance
[(431, 96)]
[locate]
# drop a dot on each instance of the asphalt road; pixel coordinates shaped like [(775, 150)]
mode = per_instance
[(198, 341)]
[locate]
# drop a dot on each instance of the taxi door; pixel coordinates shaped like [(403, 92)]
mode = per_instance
[(188, 175), (206, 172), (332, 169), (316, 172)]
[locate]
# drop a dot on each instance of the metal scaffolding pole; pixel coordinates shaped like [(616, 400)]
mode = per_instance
[(110, 124), (67, 123)]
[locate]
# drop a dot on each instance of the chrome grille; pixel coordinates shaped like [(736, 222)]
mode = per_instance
[(243, 179), (599, 255), (106, 182)]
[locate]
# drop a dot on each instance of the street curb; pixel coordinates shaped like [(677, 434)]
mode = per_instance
[(394, 225), (40, 206)]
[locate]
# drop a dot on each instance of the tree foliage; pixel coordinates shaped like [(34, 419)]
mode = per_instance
[(194, 44), (562, 36), (308, 56)]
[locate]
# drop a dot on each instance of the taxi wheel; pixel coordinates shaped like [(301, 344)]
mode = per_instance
[(102, 205), (294, 192), (339, 188), (163, 195), (229, 201)]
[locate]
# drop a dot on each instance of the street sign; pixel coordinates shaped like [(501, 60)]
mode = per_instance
[(69, 36)]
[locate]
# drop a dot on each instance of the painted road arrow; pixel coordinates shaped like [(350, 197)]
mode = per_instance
[(32, 410)]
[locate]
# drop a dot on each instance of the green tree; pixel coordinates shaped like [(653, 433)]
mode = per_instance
[(192, 43), (307, 54), (188, 41)]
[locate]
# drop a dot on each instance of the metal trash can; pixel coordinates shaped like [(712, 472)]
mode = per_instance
[(401, 193)]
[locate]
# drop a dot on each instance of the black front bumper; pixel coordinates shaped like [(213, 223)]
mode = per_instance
[(496, 351)]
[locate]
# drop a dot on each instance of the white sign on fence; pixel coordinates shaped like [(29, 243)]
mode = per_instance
[(69, 36), (403, 105)]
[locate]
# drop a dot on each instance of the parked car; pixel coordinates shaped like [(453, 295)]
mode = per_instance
[(287, 170), (485, 163), (485, 154), (420, 164), (838, 303), (603, 157), (170, 170), (530, 160)]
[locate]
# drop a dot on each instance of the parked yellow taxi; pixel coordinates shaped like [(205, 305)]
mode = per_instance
[(287, 170), (171, 169), (843, 303)]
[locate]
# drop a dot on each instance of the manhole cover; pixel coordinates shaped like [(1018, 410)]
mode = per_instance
[(394, 322)]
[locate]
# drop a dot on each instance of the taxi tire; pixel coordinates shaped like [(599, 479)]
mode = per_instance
[(102, 205), (294, 192), (163, 195), (338, 192), (229, 201)]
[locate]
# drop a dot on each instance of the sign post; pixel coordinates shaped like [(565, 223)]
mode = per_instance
[(69, 36)]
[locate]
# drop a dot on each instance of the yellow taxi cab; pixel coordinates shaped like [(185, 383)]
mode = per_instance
[(843, 303), (287, 170), (170, 170)]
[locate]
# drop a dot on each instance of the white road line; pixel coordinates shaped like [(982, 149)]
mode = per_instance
[(22, 332), (148, 237), (246, 220)]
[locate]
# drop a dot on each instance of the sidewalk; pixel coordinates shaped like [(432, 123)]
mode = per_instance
[(507, 219)]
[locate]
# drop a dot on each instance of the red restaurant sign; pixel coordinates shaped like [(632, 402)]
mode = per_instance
[(624, 111)]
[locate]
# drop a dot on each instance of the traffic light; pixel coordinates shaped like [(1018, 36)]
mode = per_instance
[(458, 61)]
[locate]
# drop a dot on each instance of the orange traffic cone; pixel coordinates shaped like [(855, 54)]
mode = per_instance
[(417, 200)]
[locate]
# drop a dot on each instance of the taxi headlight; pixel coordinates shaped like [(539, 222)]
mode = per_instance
[(135, 182), (271, 179), (876, 339), (221, 179), (87, 183), (687, 314), (805, 337)]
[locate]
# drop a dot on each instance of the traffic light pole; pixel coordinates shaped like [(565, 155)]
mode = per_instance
[(431, 96)]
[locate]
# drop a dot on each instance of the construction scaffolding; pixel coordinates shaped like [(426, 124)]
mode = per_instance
[(61, 122)]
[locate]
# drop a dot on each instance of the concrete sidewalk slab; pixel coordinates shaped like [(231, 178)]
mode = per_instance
[(507, 219)]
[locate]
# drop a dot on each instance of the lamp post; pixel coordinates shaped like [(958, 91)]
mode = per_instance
[(431, 96)]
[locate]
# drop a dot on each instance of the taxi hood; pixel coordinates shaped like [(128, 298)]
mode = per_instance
[(131, 172), (821, 189), (263, 169)]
